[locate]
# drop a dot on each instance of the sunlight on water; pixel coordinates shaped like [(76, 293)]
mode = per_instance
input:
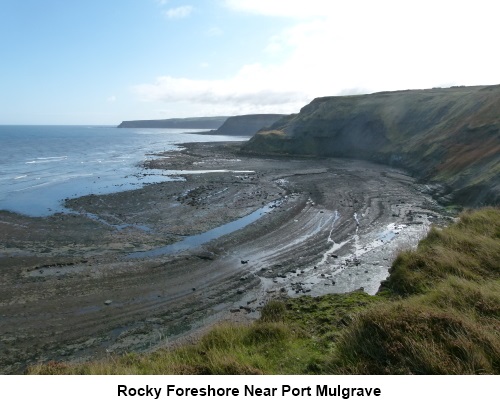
[(40, 166)]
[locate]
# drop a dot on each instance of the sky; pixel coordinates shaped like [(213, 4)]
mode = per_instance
[(99, 62)]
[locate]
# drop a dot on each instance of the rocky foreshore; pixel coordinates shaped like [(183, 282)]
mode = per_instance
[(71, 290)]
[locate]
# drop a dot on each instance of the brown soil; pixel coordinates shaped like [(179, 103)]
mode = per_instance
[(58, 274)]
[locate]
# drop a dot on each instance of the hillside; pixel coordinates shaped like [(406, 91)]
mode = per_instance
[(246, 124), (185, 123), (449, 137)]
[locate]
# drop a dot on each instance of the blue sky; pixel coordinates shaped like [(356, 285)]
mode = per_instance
[(104, 61)]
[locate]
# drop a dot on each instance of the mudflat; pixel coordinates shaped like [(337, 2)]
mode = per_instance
[(136, 270)]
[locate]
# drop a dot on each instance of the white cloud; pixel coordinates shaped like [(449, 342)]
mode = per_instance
[(282, 8), (162, 2), (335, 48), (178, 12), (111, 99), (250, 89)]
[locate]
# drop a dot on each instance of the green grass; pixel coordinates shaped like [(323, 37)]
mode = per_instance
[(438, 313), (470, 249)]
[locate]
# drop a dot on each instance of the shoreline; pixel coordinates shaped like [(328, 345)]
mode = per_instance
[(338, 226)]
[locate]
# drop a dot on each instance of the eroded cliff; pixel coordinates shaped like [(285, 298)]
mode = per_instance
[(246, 124), (446, 136)]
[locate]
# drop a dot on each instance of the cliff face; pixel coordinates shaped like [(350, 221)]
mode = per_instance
[(183, 123), (246, 124), (449, 136)]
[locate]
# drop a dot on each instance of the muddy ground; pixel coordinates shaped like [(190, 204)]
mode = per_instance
[(71, 287)]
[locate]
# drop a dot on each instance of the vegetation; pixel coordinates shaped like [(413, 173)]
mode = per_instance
[(449, 136), (438, 313)]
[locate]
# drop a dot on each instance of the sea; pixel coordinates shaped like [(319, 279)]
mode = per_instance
[(41, 166)]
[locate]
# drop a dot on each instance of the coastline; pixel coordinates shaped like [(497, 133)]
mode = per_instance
[(336, 228)]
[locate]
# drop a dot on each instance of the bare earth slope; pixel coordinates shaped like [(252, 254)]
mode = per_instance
[(448, 136)]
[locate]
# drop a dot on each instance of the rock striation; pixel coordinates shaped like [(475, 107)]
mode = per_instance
[(449, 137)]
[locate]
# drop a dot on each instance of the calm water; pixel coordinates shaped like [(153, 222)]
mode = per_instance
[(40, 166)]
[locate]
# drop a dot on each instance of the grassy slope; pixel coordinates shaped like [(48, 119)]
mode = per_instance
[(438, 313), (451, 136)]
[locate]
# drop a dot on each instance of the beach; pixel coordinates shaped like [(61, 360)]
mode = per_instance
[(101, 279)]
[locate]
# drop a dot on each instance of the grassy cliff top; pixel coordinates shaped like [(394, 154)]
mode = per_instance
[(445, 135)]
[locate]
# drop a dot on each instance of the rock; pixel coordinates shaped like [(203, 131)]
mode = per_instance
[(244, 261), (206, 256), (154, 320), (240, 291), (107, 302)]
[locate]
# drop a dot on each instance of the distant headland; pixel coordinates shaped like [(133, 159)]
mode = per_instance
[(183, 123), (237, 125)]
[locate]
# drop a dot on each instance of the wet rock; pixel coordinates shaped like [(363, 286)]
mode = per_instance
[(206, 256), (244, 261), (154, 320)]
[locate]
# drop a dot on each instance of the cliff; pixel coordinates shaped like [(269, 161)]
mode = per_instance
[(183, 123), (448, 136), (245, 124)]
